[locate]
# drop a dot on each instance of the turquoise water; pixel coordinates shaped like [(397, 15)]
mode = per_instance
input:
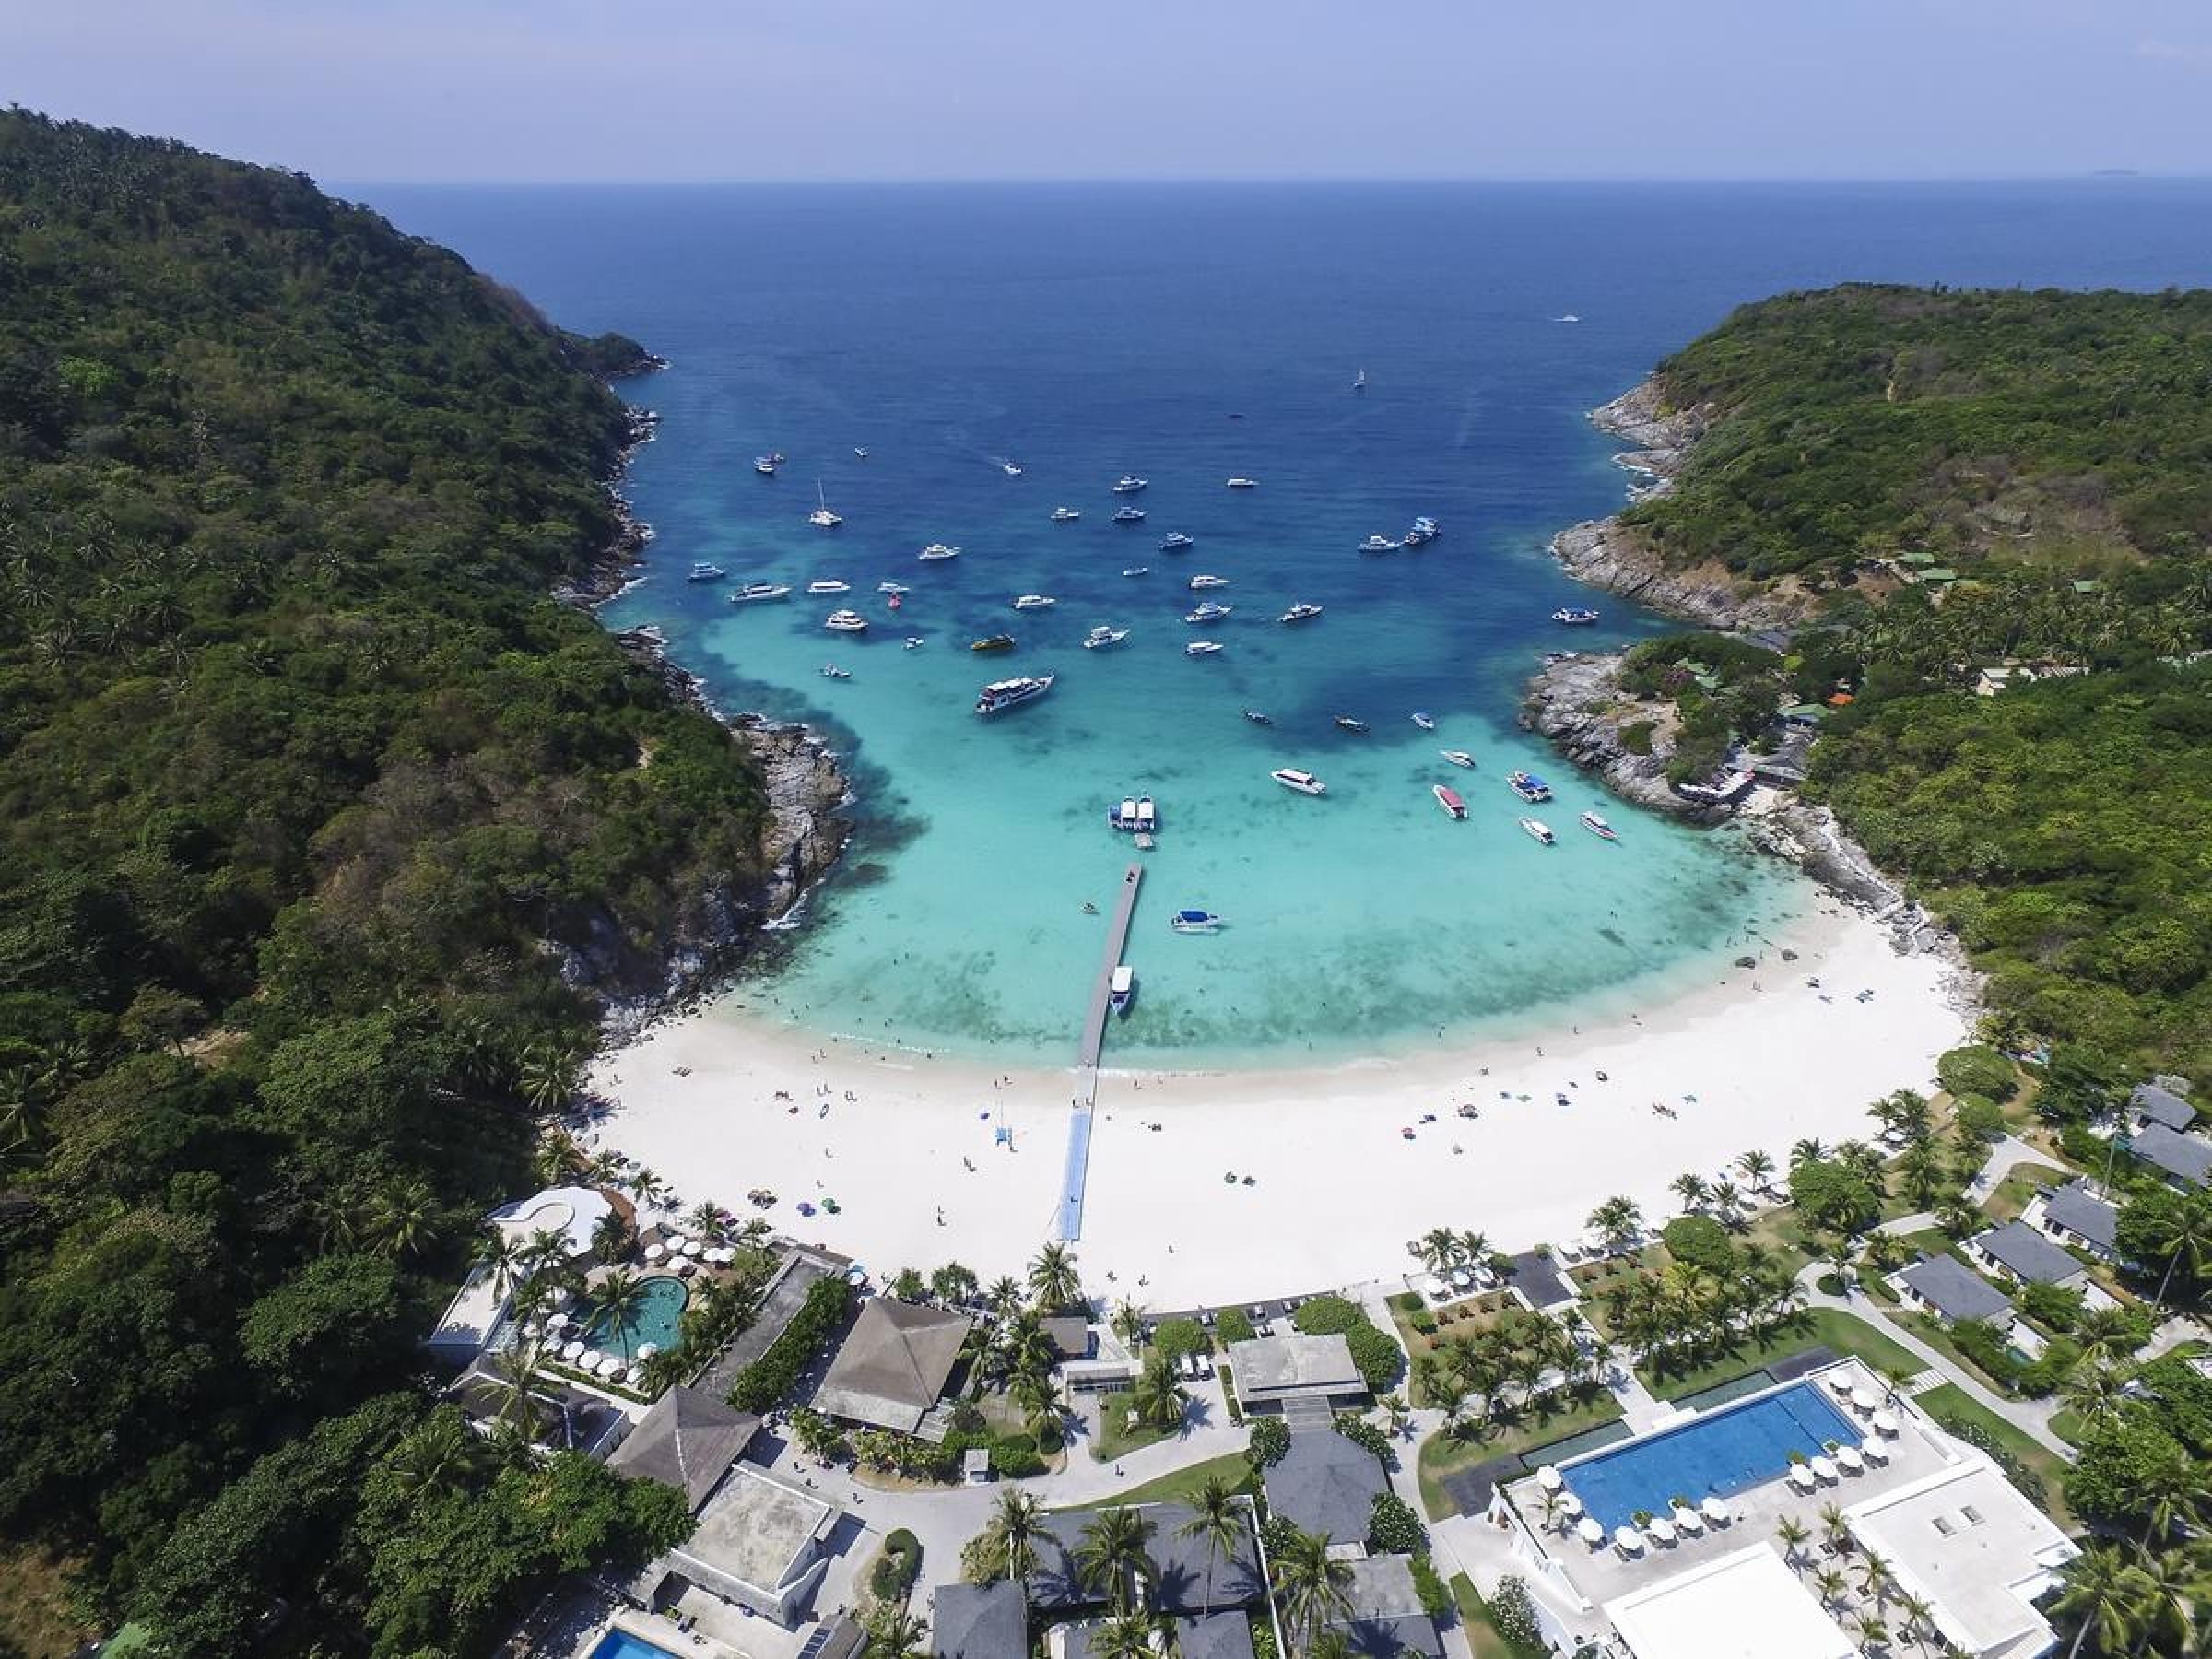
[(1721, 1452), (621, 1644), (660, 1309), (1090, 331)]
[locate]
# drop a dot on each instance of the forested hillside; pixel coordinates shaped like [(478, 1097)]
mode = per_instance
[(299, 771)]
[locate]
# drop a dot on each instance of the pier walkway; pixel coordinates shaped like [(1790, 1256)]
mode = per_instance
[(1094, 1040)]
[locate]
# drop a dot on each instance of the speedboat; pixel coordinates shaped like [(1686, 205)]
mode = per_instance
[(1202, 648), (1010, 468), (893, 588), (832, 671), (1305, 783), (821, 518), (1129, 484), (1200, 583), (1065, 515), (1567, 317), (1448, 799), (1129, 515), (1574, 616), (1539, 829), (937, 551), (1528, 786), (1425, 720), (1035, 602), (829, 584), (766, 464), (1194, 922), (860, 451), (914, 641), (1458, 757), (706, 572), (1097, 638), (1599, 827), (1424, 530), (1209, 611), (846, 621), (1257, 718), (1139, 571), (1123, 816), (1175, 542), (1121, 988), (993, 643), (1349, 724), (1002, 695), (1300, 612), (752, 593), (1378, 544), (1243, 483), (1147, 816)]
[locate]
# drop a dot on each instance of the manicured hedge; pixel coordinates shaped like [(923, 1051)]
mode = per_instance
[(763, 1384)]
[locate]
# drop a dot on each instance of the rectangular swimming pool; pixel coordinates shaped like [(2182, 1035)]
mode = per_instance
[(1723, 1452), (621, 1644)]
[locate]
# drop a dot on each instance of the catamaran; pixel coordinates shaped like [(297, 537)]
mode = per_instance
[(1001, 695), (821, 517), (1193, 922), (1303, 782)]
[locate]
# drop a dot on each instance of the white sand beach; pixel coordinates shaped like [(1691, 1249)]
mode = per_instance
[(907, 1146)]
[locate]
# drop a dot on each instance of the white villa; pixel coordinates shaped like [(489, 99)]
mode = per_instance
[(573, 1213)]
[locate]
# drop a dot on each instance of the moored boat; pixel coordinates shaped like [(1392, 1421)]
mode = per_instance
[(1598, 826), (1035, 602), (1001, 695), (821, 518), (1139, 571), (1099, 638), (1209, 611), (1065, 515), (753, 593), (1424, 530), (1378, 544), (1528, 786), (1122, 988), (1129, 484), (1200, 583), (832, 671), (1448, 799), (1347, 724), (892, 587), (766, 464), (1243, 483), (1193, 922), (1574, 616), (993, 643), (1538, 830), (1128, 515), (829, 584), (1458, 757), (1011, 468), (845, 622), (1257, 718), (914, 641), (1426, 721), (937, 551), (706, 572), (860, 451), (1303, 783), (1301, 612), (1202, 648), (1175, 542)]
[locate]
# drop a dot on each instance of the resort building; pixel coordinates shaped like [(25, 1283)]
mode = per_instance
[(1950, 1290), (758, 1545), (1191, 1582), (1070, 1334), (980, 1622), (567, 1218), (1666, 1546), (686, 1440), (1271, 1372), (2019, 1254), (890, 1370), (2148, 1103), (1217, 1636), (2185, 1161), (1327, 1486), (1383, 1616), (2077, 1217)]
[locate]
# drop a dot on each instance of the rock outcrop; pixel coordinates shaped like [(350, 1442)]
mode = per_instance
[(1578, 705)]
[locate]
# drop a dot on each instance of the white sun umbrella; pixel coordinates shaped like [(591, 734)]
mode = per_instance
[(675, 1243), (1569, 1505), (1714, 1511), (1590, 1531), (1802, 1478), (1849, 1460), (1627, 1540), (1661, 1529), (572, 1351), (1865, 1398), (646, 1350), (1549, 1478), (692, 1248), (1688, 1520), (1874, 1452), (654, 1252), (1884, 1423), (1824, 1470)]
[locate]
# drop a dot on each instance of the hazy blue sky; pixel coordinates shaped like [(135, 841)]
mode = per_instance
[(407, 90)]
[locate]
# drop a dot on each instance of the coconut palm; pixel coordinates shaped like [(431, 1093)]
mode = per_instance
[(1004, 1298), (1756, 1168), (1807, 1150), (1834, 1528), (1691, 1189), (1017, 1521), (1619, 1221), (612, 1238), (1919, 1616), (1217, 1520), (2184, 1234), (704, 1219), (1313, 1587), (1438, 1249), (1053, 1279), (603, 1168), (1400, 1414), (1872, 1630), (402, 1218), (1112, 1556), (1157, 1397), (615, 1301), (501, 1257), (1125, 1636), (1474, 1248), (1039, 1399), (1832, 1584), (1795, 1536), (2106, 1335), (2095, 1392), (952, 1284), (1129, 1324), (894, 1633), (2108, 1593)]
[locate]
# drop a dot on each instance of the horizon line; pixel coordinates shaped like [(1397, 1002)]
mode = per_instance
[(2095, 176)]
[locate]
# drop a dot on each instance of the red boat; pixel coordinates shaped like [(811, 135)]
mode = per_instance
[(1448, 799)]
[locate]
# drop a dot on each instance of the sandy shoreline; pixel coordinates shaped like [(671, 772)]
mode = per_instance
[(907, 1147)]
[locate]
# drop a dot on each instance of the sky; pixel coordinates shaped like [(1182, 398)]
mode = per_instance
[(543, 90)]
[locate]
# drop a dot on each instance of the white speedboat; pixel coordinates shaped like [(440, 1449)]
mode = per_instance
[(936, 552), (1358, 728), (1001, 695), (1424, 530), (1378, 544), (915, 642), (821, 517), (893, 588), (1035, 602), (1065, 515), (1193, 922), (1599, 827), (1129, 515), (1200, 583), (1359, 380), (1243, 483), (1539, 830), (829, 584), (1175, 542), (832, 671), (1305, 783), (846, 621), (1458, 757), (1574, 616), (1097, 638), (753, 593), (1129, 484), (1202, 648), (1207, 611), (1012, 469), (766, 464), (860, 451), (1139, 571), (1301, 612), (1425, 720), (706, 572), (1121, 990)]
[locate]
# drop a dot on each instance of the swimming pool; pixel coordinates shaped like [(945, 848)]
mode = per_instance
[(1723, 1452), (654, 1319), (621, 1644)]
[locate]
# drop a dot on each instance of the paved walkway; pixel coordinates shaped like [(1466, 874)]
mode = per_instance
[(2004, 1157)]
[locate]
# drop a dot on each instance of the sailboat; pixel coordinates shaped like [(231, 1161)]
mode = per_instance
[(821, 515)]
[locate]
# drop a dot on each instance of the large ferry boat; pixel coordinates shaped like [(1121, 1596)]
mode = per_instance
[(1528, 786), (1305, 783), (753, 593), (1001, 695), (1448, 799)]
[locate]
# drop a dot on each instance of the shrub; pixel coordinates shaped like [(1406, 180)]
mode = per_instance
[(1832, 1195), (1697, 1242), (1329, 1316), (1176, 1337), (1636, 736), (1393, 1528), (1234, 1325), (1831, 1284), (1979, 1341), (1436, 1600), (1513, 1615), (1016, 1456), (2083, 1147), (1979, 1118), (897, 1568), (1978, 1069), (1381, 1361), (1424, 1321), (1270, 1439), (2055, 1306), (761, 1384), (1363, 1434)]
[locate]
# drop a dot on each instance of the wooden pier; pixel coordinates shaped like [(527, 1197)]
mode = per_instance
[(1078, 1167)]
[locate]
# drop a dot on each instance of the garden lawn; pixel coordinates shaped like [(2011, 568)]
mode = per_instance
[(1819, 1326), (2018, 1187), (1441, 1455), (1233, 1466), (1482, 1635), (1116, 1439), (1948, 1400)]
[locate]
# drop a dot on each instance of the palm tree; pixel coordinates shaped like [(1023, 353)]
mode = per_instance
[(437, 1457), (545, 1076), (1017, 1521), (1619, 1221), (1004, 1298), (1920, 1617), (500, 1256), (1400, 1414), (2184, 1234), (1833, 1528), (1474, 1248), (1039, 1399), (1438, 1249), (604, 1168), (2095, 1392), (952, 1284), (894, 1633), (1807, 1150), (1216, 1520), (1053, 1279), (1125, 1636), (1157, 1395), (1129, 1324), (1112, 1556), (2108, 1593), (615, 1301), (1795, 1536), (1873, 1632), (1314, 1587), (402, 1217), (1756, 1168), (2105, 1334), (1832, 1584), (1691, 1189), (704, 1218)]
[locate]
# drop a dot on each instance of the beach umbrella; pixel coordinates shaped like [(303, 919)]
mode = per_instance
[(691, 1248), (1884, 1423), (1590, 1532), (1874, 1452), (1824, 1470), (654, 1252), (1549, 1478), (1570, 1504), (1848, 1456), (1865, 1398), (1689, 1521), (1714, 1511), (1802, 1478), (1627, 1540), (1662, 1530), (572, 1351), (646, 1350)]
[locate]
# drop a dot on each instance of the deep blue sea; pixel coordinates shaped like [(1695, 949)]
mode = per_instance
[(1187, 333)]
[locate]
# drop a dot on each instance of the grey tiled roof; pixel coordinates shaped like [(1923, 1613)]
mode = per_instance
[(1954, 1290), (980, 1622), (2028, 1255), (2075, 1208), (2186, 1156), (1324, 1484), (2162, 1106)]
